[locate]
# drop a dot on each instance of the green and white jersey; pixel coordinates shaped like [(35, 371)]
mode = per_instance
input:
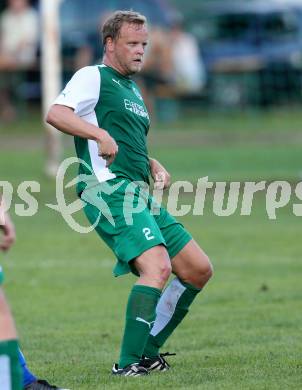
[(102, 96)]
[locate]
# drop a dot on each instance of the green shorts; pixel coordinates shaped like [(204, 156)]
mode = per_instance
[(1, 276), (130, 222)]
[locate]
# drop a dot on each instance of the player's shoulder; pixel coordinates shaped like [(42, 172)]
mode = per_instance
[(88, 70), (106, 74), (87, 74)]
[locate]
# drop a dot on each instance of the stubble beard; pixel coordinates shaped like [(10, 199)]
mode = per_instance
[(137, 69), (129, 68)]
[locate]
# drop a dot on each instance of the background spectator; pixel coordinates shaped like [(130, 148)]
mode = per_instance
[(156, 77), (188, 70), (18, 48)]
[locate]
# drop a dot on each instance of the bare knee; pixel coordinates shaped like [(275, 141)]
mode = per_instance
[(163, 273), (154, 267), (205, 270), (199, 274), (156, 276), (160, 266)]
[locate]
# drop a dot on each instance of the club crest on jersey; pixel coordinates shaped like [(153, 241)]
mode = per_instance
[(137, 93)]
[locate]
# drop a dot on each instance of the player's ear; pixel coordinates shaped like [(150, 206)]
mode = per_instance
[(109, 44)]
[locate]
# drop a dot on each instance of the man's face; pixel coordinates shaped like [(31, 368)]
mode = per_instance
[(128, 49), (18, 5)]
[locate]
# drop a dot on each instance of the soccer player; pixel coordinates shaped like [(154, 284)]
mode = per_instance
[(14, 373), (103, 109), (10, 369)]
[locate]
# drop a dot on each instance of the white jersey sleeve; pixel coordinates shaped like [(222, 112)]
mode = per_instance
[(82, 91)]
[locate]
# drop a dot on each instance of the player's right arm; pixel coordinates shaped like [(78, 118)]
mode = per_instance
[(64, 119), (77, 102)]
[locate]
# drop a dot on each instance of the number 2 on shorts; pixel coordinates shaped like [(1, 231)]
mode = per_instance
[(147, 233)]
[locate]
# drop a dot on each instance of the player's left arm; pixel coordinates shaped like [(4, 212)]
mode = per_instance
[(161, 177), (8, 228)]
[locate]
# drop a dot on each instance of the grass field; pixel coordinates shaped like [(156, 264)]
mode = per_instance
[(244, 330)]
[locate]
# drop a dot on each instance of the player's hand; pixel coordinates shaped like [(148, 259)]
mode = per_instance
[(9, 234), (160, 175), (107, 147)]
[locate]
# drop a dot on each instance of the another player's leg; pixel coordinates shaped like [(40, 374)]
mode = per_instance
[(154, 269), (41, 384), (28, 377), (10, 371), (193, 270), (30, 382), (13, 369)]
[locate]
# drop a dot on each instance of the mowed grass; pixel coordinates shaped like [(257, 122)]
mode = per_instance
[(243, 331)]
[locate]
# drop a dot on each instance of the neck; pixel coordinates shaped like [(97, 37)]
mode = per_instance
[(113, 65)]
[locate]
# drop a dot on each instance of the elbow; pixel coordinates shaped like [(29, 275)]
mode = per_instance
[(51, 117)]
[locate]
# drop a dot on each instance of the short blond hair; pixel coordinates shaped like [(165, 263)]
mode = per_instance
[(112, 26)]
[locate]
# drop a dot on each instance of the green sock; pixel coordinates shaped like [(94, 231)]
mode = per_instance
[(170, 311), (10, 369), (140, 316)]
